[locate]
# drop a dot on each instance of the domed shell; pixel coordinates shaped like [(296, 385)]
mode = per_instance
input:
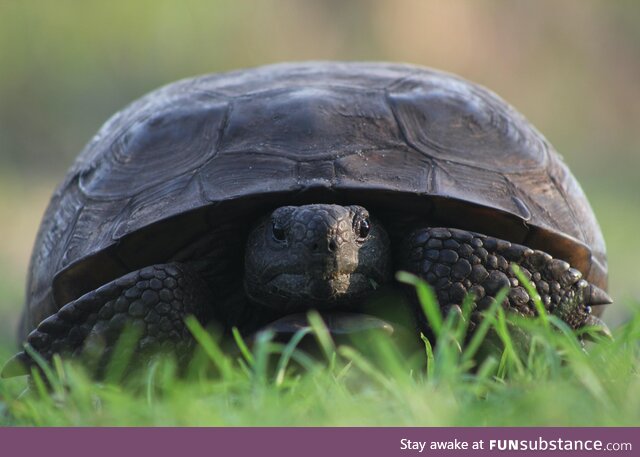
[(191, 156)]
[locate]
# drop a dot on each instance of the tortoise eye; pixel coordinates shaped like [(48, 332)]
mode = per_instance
[(278, 233), (362, 227)]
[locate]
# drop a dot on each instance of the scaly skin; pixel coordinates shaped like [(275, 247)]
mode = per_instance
[(328, 257), (154, 301), (457, 262)]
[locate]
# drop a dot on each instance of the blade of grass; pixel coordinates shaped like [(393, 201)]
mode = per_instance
[(429, 353), (391, 359), (463, 324), (262, 350), (59, 369), (480, 333), (568, 335), (305, 361), (322, 335), (285, 357), (39, 384), (244, 350), (367, 368), (210, 346), (426, 298), (122, 354), (502, 329), (533, 293), (487, 368), (502, 366), (150, 384), (242, 364), (344, 371), (44, 366)]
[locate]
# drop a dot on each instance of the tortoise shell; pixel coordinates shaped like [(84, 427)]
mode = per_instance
[(208, 154)]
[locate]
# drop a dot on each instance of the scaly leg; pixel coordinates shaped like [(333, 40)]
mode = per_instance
[(456, 262), (153, 300)]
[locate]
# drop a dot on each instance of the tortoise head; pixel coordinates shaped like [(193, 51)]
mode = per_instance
[(315, 256)]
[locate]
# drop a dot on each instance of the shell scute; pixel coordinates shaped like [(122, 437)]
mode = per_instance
[(163, 143), (448, 119)]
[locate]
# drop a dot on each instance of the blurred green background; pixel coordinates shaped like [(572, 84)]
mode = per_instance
[(572, 67)]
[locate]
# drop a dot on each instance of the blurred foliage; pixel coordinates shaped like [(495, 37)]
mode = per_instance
[(538, 375), (572, 67)]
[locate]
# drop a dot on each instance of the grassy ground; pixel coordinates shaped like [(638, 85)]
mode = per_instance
[(545, 378)]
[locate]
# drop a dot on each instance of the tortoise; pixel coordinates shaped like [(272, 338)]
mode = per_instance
[(247, 198)]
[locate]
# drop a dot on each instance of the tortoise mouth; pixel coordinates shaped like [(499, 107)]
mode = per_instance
[(289, 292), (329, 288)]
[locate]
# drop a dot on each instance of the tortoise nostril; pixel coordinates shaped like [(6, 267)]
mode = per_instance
[(321, 247)]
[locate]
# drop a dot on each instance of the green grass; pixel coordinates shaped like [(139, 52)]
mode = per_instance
[(533, 372)]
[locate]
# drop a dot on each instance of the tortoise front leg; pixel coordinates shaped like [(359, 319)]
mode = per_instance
[(457, 262), (153, 300)]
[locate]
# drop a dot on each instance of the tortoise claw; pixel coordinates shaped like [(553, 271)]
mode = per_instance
[(16, 366), (601, 328), (596, 296)]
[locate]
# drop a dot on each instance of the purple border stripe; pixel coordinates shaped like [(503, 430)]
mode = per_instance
[(320, 442)]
